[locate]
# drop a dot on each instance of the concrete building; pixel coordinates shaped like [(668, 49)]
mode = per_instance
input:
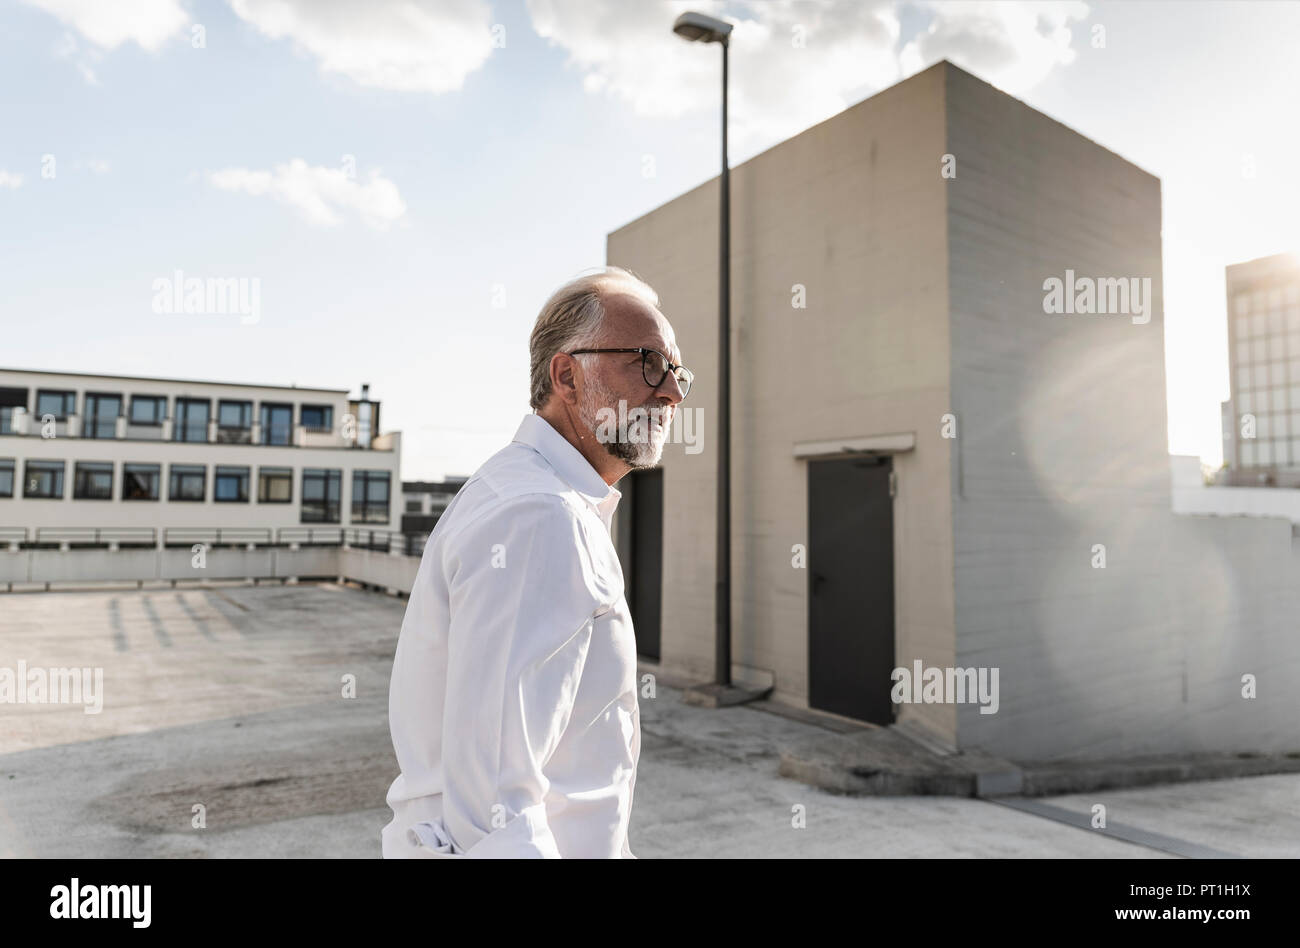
[(424, 501), (120, 460), (1261, 421), (935, 461)]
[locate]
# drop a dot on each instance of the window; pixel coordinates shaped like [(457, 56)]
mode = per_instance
[(189, 482), (6, 477), (277, 423), (43, 479), (317, 417), (148, 409), (58, 404), (10, 398), (274, 485), (192, 419), (231, 485), (235, 422), (370, 496), (101, 416), (92, 480), (140, 481), (320, 495), (415, 506)]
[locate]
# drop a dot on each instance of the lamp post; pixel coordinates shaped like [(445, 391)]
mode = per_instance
[(699, 28)]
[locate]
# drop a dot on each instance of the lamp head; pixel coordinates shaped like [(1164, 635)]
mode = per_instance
[(700, 28)]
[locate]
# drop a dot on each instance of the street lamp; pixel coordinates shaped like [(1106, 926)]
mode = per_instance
[(699, 28)]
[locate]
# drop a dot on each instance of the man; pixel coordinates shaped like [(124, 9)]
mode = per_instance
[(513, 703)]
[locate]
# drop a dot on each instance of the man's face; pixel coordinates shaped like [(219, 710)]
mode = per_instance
[(613, 377)]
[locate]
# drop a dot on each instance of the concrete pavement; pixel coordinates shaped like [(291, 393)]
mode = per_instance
[(230, 698)]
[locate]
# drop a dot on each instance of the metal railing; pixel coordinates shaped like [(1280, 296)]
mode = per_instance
[(386, 541), (94, 536), (310, 536), (231, 435), (190, 431), (13, 534), (100, 428), (216, 536)]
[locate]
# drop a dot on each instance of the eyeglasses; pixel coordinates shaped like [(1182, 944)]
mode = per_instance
[(655, 367)]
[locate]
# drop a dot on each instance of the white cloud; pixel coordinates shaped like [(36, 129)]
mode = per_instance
[(778, 88), (1012, 45), (318, 193), (406, 45), (147, 23), (10, 180)]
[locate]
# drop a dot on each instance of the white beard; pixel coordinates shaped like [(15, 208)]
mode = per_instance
[(642, 443)]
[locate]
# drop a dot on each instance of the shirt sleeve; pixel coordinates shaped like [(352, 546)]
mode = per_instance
[(522, 596)]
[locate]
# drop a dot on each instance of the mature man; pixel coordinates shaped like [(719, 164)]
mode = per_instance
[(513, 703)]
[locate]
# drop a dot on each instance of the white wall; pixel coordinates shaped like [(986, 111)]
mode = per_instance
[(1193, 496)]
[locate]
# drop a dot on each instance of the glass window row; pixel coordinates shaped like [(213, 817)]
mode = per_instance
[(1261, 401), (1267, 322), (1262, 452), (93, 480), (191, 416)]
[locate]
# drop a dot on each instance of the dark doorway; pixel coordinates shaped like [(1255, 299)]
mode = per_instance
[(642, 555), (851, 587)]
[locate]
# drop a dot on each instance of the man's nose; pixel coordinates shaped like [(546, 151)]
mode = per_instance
[(670, 389)]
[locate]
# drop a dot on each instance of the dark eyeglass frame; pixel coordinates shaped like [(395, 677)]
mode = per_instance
[(645, 354)]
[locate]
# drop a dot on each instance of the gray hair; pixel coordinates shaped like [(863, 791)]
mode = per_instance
[(573, 318)]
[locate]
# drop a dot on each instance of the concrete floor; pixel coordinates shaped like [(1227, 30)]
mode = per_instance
[(229, 697)]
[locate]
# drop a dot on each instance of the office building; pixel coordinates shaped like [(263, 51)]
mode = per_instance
[(122, 460), (424, 501), (1261, 420)]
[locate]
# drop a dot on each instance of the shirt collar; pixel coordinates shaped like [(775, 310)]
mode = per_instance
[(538, 433)]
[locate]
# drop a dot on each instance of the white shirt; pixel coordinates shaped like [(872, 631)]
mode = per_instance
[(513, 705)]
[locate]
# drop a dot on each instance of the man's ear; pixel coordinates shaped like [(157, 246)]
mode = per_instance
[(563, 379)]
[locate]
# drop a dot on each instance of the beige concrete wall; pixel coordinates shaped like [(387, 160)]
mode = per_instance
[(1062, 447), (853, 209)]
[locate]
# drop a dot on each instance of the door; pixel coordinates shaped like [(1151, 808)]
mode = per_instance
[(642, 555), (851, 587)]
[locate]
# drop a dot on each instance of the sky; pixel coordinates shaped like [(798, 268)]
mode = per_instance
[(404, 182)]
